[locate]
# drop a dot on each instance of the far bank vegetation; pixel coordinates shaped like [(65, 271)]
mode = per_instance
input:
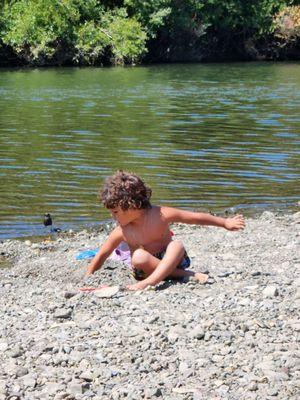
[(92, 32)]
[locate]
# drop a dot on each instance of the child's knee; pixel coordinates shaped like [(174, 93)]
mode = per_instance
[(177, 246), (139, 257)]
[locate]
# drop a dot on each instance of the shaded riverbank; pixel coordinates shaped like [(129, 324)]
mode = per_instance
[(234, 339)]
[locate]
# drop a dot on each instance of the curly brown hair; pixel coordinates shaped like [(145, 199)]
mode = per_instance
[(125, 190)]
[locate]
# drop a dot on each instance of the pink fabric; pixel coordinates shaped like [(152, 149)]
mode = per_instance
[(121, 254)]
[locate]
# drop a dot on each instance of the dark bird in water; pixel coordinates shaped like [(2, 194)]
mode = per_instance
[(47, 220)]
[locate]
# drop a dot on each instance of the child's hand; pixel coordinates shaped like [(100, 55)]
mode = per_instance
[(235, 224), (90, 271)]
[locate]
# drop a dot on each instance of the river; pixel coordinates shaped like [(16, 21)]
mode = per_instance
[(203, 136)]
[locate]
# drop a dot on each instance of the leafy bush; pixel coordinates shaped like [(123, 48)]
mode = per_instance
[(128, 38), (91, 42), (234, 16), (213, 18), (80, 30), (151, 13), (34, 27)]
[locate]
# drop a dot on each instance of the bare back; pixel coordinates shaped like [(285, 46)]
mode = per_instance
[(152, 233)]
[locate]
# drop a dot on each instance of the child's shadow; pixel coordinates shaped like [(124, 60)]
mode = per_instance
[(183, 281), (170, 282)]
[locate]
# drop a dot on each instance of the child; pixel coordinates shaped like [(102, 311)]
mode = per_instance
[(145, 228)]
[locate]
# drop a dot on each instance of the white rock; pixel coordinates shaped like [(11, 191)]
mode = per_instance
[(107, 291), (3, 346), (270, 291), (29, 382)]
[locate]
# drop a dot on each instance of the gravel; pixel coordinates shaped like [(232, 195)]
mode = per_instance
[(237, 338)]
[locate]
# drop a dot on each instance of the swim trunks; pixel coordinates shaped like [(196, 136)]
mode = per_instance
[(139, 274)]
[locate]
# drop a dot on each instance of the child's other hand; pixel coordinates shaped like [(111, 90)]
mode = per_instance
[(235, 223), (89, 271)]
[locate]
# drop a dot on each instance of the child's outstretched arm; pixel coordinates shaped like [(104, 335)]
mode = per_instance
[(113, 240), (188, 217)]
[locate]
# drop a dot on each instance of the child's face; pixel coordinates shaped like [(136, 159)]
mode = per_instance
[(123, 217)]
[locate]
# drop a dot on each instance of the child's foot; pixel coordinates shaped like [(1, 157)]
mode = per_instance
[(201, 278)]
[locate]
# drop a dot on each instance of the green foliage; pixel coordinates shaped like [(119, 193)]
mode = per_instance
[(37, 30), (198, 17), (151, 13), (251, 17), (122, 35), (34, 27), (91, 43), (235, 16), (128, 38), (97, 31)]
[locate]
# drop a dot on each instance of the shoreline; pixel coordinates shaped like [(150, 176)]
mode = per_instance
[(250, 212), (234, 339)]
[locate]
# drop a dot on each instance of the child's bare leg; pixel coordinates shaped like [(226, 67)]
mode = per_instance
[(157, 270), (145, 261)]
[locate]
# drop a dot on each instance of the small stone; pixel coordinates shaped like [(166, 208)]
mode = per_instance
[(184, 390), (69, 295), (175, 333), (107, 291), (244, 302), (29, 382), (273, 392), (63, 313), (197, 333), (256, 273), (21, 372), (270, 291), (153, 319), (207, 336), (51, 388), (218, 382), (3, 346), (274, 376), (16, 352), (296, 327), (67, 349), (253, 387), (150, 393), (87, 376), (202, 362), (75, 388), (225, 274)]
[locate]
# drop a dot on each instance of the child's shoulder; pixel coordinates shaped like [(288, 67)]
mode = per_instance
[(168, 213)]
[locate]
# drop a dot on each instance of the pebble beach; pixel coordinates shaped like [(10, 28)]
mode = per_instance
[(236, 338)]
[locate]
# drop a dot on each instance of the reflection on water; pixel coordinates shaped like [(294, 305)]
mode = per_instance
[(203, 136)]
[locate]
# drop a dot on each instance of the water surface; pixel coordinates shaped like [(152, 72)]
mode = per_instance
[(204, 137)]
